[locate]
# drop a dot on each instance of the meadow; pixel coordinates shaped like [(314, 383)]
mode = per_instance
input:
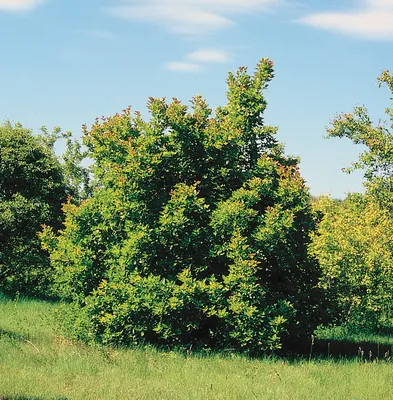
[(38, 363)]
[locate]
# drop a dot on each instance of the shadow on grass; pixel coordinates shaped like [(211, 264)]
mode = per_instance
[(30, 398), (12, 336), (339, 349), (21, 297)]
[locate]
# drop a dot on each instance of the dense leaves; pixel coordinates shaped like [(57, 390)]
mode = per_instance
[(354, 247), (198, 232), (32, 188)]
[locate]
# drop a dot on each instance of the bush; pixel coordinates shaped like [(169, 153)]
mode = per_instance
[(198, 234), (354, 247)]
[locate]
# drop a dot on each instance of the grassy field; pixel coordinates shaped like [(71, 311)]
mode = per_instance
[(37, 363)]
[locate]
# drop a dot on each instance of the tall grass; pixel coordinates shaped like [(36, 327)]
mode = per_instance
[(37, 363)]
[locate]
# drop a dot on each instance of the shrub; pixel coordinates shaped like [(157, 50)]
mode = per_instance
[(198, 233), (353, 244)]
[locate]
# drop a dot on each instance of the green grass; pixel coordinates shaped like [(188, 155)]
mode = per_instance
[(37, 363), (341, 333)]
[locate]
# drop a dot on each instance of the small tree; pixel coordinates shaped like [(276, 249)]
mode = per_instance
[(32, 189), (199, 232)]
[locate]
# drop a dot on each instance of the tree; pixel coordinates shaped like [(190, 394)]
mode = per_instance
[(353, 243), (76, 174), (32, 190), (198, 233), (377, 158)]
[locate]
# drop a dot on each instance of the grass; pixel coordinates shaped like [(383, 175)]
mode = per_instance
[(340, 333), (37, 363)]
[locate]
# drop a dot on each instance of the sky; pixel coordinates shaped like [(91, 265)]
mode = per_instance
[(65, 62)]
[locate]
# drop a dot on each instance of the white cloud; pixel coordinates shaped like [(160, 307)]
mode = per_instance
[(195, 60), (373, 20), (379, 4), (189, 17), (182, 20), (183, 66), (19, 5), (209, 56)]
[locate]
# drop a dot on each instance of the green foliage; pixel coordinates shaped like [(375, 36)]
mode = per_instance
[(198, 233), (76, 174), (353, 244), (32, 189), (354, 247), (377, 158)]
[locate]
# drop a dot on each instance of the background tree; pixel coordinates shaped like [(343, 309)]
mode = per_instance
[(353, 242), (377, 158), (32, 190), (198, 233), (73, 161)]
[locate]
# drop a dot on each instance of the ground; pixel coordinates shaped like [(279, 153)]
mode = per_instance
[(38, 363)]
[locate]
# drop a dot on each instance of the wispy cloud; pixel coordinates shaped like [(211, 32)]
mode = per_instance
[(373, 19), (19, 5), (183, 66), (209, 56), (189, 17), (196, 60)]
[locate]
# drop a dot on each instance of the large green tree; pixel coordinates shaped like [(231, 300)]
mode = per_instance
[(32, 189), (198, 233)]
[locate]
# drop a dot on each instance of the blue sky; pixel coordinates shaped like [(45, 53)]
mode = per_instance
[(64, 62)]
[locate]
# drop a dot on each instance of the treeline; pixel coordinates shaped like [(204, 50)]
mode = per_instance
[(198, 230)]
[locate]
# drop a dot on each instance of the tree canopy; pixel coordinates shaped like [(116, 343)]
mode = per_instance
[(198, 232), (353, 240), (32, 190), (377, 158)]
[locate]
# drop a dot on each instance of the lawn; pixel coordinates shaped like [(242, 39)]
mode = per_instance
[(38, 363)]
